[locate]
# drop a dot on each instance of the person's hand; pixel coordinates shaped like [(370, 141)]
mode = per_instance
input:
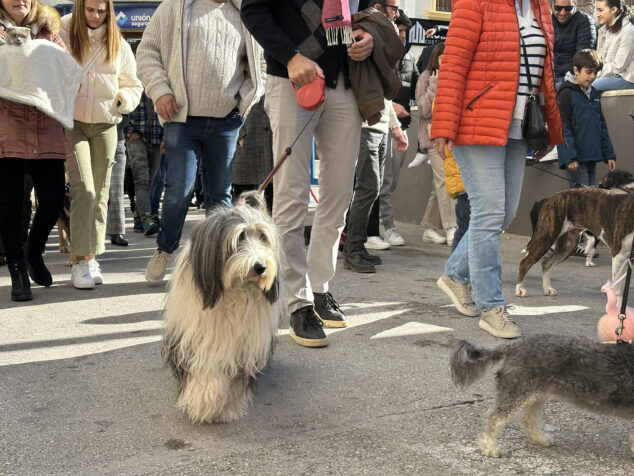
[(162, 147), (431, 32), (166, 107), (573, 166), (439, 145), (400, 111), (134, 136), (362, 47), (539, 154), (611, 164), (302, 70), (401, 139)]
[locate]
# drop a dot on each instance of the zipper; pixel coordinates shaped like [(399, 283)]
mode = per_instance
[(488, 88)]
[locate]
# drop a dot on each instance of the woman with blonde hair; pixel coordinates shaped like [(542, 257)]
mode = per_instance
[(109, 89), (34, 142)]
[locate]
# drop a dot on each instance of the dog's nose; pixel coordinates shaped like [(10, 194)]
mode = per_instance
[(259, 268)]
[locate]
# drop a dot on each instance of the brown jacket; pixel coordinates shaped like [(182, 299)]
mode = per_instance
[(376, 77), (25, 132)]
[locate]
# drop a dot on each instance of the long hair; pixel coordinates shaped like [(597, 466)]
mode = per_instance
[(36, 7), (622, 11), (78, 33), (434, 64)]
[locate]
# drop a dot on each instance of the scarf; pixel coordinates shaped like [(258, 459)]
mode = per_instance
[(335, 18)]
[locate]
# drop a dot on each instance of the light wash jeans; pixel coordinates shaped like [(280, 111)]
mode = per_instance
[(611, 83), (493, 179)]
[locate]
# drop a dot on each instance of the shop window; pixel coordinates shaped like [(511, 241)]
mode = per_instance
[(440, 10)]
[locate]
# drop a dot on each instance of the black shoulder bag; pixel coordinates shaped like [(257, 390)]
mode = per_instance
[(534, 128)]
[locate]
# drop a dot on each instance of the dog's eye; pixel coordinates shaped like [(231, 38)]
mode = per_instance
[(263, 237), (243, 236)]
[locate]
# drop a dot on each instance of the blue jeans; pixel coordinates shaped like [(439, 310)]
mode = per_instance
[(611, 83), (158, 184), (493, 179), (584, 175), (210, 140)]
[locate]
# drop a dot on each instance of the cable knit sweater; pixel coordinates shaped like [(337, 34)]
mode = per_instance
[(163, 52)]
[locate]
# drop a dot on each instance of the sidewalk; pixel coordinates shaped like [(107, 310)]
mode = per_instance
[(83, 390)]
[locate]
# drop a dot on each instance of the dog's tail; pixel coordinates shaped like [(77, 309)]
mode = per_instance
[(537, 206), (468, 363)]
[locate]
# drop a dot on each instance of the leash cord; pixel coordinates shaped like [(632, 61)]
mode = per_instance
[(626, 289), (288, 151), (528, 164)]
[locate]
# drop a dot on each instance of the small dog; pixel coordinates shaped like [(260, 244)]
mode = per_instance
[(222, 310), (594, 376), (619, 181), (560, 219)]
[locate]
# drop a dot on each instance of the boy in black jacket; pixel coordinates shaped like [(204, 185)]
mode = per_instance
[(585, 132)]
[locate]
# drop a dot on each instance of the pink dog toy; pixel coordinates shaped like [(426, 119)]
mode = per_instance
[(610, 321)]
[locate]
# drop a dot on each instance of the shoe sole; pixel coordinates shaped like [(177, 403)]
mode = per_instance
[(445, 289), (84, 287), (372, 247), (358, 270), (397, 244), (307, 342), (333, 324), (22, 297), (435, 242), (485, 326)]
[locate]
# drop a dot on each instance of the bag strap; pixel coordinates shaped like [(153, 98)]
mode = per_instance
[(528, 67)]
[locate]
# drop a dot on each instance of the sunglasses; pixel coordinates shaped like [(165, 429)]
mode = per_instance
[(393, 7), (559, 8)]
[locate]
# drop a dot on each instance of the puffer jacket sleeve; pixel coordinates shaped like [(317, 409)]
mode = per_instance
[(462, 40), (586, 33), (130, 87)]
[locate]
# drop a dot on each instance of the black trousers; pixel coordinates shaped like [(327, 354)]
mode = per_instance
[(48, 181)]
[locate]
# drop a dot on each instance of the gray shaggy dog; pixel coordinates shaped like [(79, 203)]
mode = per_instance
[(594, 376)]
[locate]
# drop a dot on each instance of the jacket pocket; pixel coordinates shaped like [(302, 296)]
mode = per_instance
[(478, 96)]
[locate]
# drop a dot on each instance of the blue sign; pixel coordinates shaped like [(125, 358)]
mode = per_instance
[(133, 17)]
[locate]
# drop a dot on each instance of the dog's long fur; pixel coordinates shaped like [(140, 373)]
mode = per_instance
[(597, 377), (560, 219), (222, 312)]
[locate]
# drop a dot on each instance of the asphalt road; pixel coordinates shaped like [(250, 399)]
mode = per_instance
[(83, 391)]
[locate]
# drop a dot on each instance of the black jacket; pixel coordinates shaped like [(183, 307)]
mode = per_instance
[(281, 29), (574, 35)]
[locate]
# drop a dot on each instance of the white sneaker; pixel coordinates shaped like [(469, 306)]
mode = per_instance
[(95, 271), (155, 270), (393, 237), (80, 276), (377, 243), (450, 232), (418, 160), (432, 236)]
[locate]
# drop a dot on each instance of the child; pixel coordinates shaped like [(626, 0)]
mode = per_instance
[(585, 132), (456, 189)]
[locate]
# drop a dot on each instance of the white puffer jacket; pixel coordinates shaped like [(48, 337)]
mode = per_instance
[(107, 90)]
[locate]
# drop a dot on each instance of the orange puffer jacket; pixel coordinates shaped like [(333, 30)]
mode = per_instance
[(479, 73)]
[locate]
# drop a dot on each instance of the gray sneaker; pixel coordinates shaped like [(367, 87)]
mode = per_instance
[(498, 323), (460, 295), (155, 270)]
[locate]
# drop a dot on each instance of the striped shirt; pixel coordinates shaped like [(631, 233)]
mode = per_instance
[(535, 44)]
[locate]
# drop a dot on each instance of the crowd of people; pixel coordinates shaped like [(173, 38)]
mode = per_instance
[(175, 107)]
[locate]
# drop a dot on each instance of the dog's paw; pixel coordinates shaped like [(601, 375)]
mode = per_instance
[(64, 249), (491, 452), (589, 263), (543, 439), (520, 291), (550, 292)]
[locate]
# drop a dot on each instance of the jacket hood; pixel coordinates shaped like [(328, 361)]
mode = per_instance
[(47, 19)]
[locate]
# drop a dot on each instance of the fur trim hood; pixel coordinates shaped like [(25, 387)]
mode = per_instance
[(47, 19)]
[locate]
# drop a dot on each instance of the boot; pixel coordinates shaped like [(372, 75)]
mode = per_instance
[(20, 285), (118, 240), (35, 265)]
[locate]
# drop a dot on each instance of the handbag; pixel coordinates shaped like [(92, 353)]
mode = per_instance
[(534, 128)]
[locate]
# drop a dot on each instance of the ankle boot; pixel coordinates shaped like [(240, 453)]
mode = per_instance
[(38, 271), (118, 240), (20, 285)]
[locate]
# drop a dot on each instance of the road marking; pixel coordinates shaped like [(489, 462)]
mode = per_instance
[(516, 310), (411, 329)]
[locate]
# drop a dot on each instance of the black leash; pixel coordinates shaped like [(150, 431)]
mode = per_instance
[(530, 163), (626, 290)]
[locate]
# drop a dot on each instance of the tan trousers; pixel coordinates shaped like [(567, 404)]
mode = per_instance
[(337, 129), (441, 208), (91, 153)]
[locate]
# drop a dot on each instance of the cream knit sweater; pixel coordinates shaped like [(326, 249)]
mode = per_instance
[(161, 58)]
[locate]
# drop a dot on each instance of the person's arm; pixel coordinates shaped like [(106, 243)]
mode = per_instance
[(606, 144), (415, 77), (566, 152), (130, 88), (586, 33), (425, 93), (624, 52)]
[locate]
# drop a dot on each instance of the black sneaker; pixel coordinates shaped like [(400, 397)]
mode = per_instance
[(306, 328), (328, 310)]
